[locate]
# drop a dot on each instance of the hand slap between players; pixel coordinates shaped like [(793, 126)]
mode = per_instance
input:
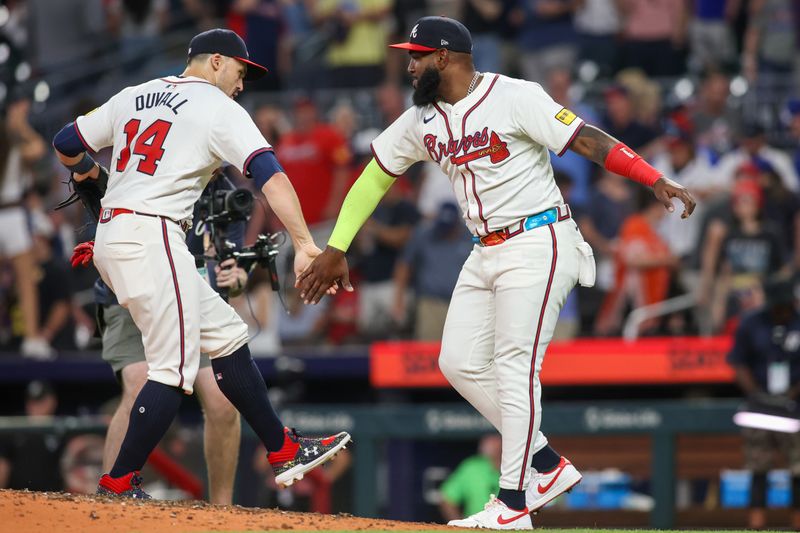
[(322, 274), (665, 190)]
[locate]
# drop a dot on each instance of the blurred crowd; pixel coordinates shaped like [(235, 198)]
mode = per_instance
[(703, 89)]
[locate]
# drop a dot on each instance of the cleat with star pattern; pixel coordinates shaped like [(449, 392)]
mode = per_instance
[(299, 455)]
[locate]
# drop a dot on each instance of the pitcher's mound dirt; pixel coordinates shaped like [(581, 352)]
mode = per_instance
[(48, 512)]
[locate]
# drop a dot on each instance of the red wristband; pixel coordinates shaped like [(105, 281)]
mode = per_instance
[(625, 162)]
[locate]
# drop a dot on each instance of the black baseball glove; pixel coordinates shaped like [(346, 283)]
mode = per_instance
[(89, 192)]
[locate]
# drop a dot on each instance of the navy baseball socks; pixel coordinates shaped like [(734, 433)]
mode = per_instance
[(514, 499), (240, 381), (551, 465), (237, 376), (153, 412), (545, 459), (289, 454)]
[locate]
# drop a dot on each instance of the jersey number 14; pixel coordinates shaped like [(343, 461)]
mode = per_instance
[(149, 145)]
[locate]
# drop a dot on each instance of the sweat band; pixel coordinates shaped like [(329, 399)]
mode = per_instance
[(625, 162), (359, 204), (83, 166)]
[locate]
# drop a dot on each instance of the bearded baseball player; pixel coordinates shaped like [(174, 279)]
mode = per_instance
[(491, 134), (168, 136)]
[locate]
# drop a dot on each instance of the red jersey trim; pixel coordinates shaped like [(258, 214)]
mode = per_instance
[(446, 121), (463, 129), (252, 155), (80, 136), (479, 102), (572, 138)]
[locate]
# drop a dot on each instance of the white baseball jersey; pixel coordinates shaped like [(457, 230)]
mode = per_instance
[(169, 135), (492, 145)]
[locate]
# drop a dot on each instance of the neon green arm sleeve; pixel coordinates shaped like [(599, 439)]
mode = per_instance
[(359, 204)]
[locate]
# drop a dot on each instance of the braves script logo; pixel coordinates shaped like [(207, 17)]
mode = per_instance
[(414, 31), (485, 144)]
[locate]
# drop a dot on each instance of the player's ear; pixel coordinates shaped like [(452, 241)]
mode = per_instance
[(442, 58), (216, 61)]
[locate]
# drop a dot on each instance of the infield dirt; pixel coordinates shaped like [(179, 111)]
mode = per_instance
[(48, 512)]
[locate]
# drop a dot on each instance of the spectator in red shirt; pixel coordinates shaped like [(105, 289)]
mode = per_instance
[(316, 158)]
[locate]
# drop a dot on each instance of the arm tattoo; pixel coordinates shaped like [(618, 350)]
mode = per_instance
[(593, 144)]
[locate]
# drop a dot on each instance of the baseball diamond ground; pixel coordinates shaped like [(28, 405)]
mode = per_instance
[(37, 512)]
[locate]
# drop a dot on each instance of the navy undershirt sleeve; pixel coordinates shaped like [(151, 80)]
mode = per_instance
[(68, 142), (262, 167)]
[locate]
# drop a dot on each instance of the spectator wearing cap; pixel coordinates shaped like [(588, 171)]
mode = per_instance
[(30, 460), (749, 250), (621, 122), (766, 358), (753, 144), (432, 261)]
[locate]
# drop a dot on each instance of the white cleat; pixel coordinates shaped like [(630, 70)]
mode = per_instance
[(547, 486), (496, 515)]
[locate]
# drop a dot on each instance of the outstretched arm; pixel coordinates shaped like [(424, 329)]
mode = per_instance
[(359, 204), (600, 147), (274, 183)]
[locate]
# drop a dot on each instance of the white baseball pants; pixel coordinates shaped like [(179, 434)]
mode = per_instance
[(145, 261), (500, 321)]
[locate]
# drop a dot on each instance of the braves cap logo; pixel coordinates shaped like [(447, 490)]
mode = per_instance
[(414, 31)]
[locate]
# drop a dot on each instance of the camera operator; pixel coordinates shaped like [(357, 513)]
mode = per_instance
[(124, 351), (766, 357)]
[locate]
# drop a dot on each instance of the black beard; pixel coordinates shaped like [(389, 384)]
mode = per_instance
[(427, 88)]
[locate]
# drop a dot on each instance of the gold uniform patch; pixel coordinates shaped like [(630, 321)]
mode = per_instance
[(566, 117)]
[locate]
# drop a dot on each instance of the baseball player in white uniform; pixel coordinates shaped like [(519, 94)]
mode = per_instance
[(491, 134), (168, 136)]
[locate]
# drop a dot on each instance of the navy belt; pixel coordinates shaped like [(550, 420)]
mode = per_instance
[(555, 214)]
